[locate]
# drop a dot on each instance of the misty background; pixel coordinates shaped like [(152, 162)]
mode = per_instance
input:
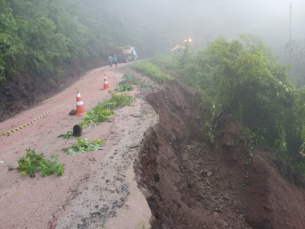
[(48, 37), (204, 21)]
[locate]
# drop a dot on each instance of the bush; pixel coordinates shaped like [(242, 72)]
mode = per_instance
[(244, 78), (244, 75)]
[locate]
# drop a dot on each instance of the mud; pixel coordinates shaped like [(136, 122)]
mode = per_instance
[(190, 184), (98, 189)]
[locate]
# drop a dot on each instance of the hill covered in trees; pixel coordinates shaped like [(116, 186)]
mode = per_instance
[(46, 44)]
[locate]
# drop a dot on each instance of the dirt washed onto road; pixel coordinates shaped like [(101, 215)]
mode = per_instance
[(97, 189)]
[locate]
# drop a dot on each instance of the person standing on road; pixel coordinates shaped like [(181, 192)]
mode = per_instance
[(115, 60), (110, 59)]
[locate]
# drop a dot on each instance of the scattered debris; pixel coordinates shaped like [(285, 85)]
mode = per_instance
[(72, 112)]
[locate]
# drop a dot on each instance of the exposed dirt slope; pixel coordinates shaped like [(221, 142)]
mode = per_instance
[(189, 184)]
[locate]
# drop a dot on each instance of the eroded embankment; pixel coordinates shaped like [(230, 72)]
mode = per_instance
[(189, 184)]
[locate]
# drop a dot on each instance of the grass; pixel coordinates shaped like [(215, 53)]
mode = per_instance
[(146, 85), (83, 145), (33, 163), (151, 71), (133, 81)]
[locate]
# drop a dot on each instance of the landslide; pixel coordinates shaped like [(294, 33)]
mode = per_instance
[(190, 184), (25, 90)]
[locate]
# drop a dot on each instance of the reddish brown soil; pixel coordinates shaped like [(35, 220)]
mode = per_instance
[(189, 184), (97, 188)]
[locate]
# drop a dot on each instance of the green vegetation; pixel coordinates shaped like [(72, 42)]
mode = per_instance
[(151, 70), (83, 145), (142, 225), (68, 135), (124, 87), (244, 79), (43, 36), (95, 115), (117, 101), (209, 134), (133, 81), (146, 85), (33, 163), (244, 75), (101, 111)]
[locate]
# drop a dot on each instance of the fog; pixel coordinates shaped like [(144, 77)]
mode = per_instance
[(204, 20)]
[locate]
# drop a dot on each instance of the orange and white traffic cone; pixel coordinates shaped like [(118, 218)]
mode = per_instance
[(106, 85), (80, 108)]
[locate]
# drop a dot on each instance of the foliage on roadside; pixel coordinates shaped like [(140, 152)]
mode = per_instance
[(68, 135), (129, 79), (146, 85), (84, 145), (151, 70), (117, 101), (34, 163), (166, 62), (243, 78), (101, 111), (124, 87), (95, 115), (133, 81)]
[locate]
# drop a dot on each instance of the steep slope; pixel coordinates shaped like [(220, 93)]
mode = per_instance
[(189, 184)]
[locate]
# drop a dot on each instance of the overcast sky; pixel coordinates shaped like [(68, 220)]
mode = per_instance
[(205, 20), (268, 19)]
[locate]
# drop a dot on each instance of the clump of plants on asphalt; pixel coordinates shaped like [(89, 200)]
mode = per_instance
[(101, 111), (34, 163), (84, 145), (95, 115), (68, 135)]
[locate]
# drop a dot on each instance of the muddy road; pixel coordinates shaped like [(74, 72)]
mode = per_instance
[(156, 169), (97, 189)]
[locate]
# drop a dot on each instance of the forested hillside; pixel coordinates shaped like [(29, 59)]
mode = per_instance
[(242, 79), (46, 44)]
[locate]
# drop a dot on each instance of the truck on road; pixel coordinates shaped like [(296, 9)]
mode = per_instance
[(125, 54)]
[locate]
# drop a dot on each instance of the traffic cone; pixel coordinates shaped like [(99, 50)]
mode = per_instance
[(80, 108), (106, 85)]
